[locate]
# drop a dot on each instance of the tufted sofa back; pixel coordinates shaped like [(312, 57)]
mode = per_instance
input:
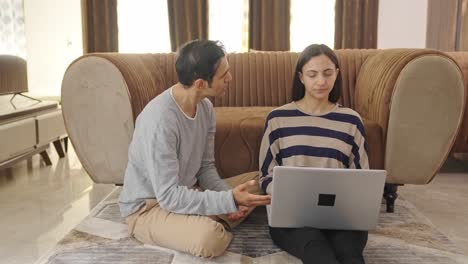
[(153, 73)]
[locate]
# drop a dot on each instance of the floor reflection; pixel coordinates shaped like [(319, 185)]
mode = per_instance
[(39, 204)]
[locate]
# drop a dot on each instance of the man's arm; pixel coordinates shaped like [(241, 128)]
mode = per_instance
[(163, 167), (208, 177)]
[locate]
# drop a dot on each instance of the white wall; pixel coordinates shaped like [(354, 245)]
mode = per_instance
[(53, 40), (402, 24)]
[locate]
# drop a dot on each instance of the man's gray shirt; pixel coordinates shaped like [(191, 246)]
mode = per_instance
[(169, 154)]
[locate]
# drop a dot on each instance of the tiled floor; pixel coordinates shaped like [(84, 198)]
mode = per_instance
[(39, 204)]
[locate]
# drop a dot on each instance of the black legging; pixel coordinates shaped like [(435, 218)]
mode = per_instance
[(313, 245)]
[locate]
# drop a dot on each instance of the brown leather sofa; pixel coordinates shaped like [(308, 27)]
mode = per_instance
[(412, 102)]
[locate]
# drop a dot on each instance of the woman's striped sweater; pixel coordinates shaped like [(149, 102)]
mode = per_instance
[(335, 139)]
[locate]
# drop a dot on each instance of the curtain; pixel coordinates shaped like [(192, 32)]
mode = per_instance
[(100, 29), (12, 34), (269, 24), (356, 24), (188, 20), (444, 24)]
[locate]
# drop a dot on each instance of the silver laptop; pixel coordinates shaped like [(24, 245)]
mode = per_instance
[(344, 199)]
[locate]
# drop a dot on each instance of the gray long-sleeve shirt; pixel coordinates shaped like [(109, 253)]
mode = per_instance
[(169, 153)]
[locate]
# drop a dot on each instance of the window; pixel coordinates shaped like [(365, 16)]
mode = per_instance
[(53, 40), (12, 34), (228, 23), (312, 21), (143, 26)]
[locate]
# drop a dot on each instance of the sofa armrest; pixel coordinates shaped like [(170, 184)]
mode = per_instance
[(461, 143), (417, 97)]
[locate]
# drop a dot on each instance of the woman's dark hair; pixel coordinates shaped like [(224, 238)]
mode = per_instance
[(198, 59), (298, 88)]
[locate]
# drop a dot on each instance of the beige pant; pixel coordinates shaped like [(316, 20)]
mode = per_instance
[(203, 236)]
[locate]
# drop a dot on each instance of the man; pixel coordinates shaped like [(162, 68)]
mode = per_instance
[(172, 194)]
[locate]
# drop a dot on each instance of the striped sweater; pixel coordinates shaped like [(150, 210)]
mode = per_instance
[(335, 139)]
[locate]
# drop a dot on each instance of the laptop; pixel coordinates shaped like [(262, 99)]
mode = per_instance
[(324, 198)]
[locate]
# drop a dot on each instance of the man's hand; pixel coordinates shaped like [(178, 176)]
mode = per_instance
[(244, 198), (239, 214)]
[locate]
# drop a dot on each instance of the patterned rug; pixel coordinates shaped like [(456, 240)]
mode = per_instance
[(403, 237)]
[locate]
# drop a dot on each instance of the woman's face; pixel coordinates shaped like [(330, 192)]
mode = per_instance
[(318, 76)]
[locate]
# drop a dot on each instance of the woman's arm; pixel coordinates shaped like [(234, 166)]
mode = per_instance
[(267, 159), (359, 157)]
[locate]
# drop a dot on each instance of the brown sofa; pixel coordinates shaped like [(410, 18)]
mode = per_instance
[(412, 101)]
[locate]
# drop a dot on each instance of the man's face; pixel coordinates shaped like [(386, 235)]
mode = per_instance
[(221, 79)]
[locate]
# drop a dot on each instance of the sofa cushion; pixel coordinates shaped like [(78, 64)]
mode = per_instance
[(239, 132)]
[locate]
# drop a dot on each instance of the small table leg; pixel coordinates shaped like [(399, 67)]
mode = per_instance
[(390, 195), (45, 157), (59, 148), (65, 143)]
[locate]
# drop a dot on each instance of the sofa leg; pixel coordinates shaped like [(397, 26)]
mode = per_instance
[(45, 157), (390, 195), (59, 148)]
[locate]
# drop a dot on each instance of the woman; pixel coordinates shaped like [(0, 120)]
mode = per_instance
[(315, 131)]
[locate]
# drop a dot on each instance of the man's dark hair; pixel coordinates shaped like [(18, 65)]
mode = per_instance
[(198, 59), (298, 88)]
